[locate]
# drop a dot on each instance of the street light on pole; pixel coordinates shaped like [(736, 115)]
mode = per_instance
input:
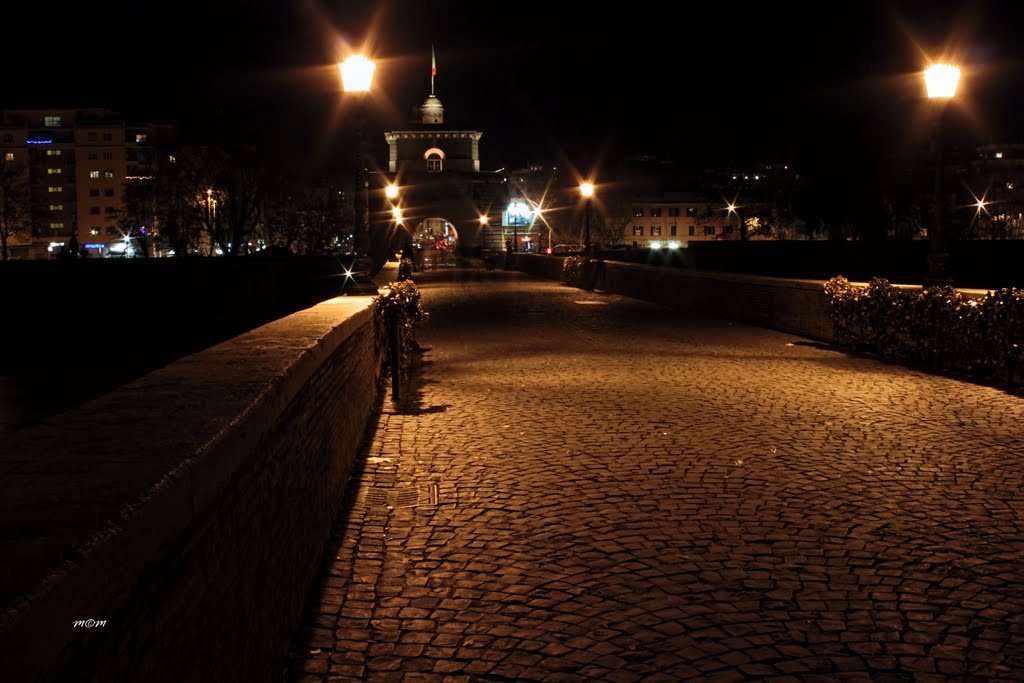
[(357, 78), (587, 190), (941, 81)]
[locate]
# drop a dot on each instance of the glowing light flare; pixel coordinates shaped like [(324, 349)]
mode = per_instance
[(483, 220), (587, 189), (357, 73), (391, 191), (941, 80), (396, 213)]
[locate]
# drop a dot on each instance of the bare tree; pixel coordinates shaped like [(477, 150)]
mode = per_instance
[(221, 191), (15, 207)]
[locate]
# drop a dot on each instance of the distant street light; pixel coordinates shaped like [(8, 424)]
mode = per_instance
[(941, 81), (517, 209), (587, 190), (357, 79)]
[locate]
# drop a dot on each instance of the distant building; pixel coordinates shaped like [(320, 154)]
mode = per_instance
[(87, 171), (995, 178), (448, 203)]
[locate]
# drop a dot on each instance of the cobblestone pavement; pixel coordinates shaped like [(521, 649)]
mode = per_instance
[(585, 487)]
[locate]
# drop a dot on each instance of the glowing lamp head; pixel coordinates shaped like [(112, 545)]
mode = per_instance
[(587, 189), (357, 73), (483, 220), (391, 191), (941, 80), (396, 213)]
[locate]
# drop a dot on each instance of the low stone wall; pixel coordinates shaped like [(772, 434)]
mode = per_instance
[(170, 530), (796, 306)]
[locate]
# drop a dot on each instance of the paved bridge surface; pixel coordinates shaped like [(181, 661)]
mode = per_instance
[(585, 487)]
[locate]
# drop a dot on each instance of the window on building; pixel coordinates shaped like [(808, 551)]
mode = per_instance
[(727, 230), (693, 230), (57, 226), (638, 212), (673, 211), (638, 231), (141, 138), (691, 212), (108, 193), (94, 210), (672, 231), (55, 188), (108, 156), (110, 210), (8, 156), (656, 211), (94, 192), (434, 163), (94, 174), (655, 231), (709, 230), (108, 174), (54, 171), (107, 137), (53, 152), (51, 121), (93, 156), (8, 138), (56, 207), (709, 212)]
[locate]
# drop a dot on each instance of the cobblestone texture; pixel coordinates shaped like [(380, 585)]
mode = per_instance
[(586, 487)]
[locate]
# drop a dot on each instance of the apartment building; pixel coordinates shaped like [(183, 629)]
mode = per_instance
[(675, 219), (82, 165)]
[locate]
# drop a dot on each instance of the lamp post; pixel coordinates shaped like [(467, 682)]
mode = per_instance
[(587, 190), (357, 78), (941, 81)]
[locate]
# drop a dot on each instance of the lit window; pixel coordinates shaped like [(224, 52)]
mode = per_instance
[(51, 121), (54, 171), (172, 159), (53, 152), (94, 174), (434, 163), (56, 207), (57, 226), (638, 230), (655, 231), (108, 174), (140, 137), (55, 188), (999, 155), (8, 156), (638, 212), (691, 212)]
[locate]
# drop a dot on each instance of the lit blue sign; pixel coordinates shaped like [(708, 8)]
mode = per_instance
[(98, 245), (44, 141)]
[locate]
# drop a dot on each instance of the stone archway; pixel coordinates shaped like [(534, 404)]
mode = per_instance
[(435, 241)]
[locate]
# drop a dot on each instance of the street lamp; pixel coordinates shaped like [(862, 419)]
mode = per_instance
[(517, 209), (941, 81), (357, 78), (587, 190)]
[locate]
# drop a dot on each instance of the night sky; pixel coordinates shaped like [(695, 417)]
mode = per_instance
[(721, 83)]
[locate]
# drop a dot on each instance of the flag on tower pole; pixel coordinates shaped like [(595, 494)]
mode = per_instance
[(433, 70)]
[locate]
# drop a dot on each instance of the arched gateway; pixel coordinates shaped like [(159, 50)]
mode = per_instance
[(440, 183)]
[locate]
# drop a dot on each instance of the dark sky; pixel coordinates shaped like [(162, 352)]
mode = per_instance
[(716, 82)]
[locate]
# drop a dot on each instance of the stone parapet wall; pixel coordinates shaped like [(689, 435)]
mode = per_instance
[(186, 511)]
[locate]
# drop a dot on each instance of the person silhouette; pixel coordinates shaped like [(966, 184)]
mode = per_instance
[(73, 249)]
